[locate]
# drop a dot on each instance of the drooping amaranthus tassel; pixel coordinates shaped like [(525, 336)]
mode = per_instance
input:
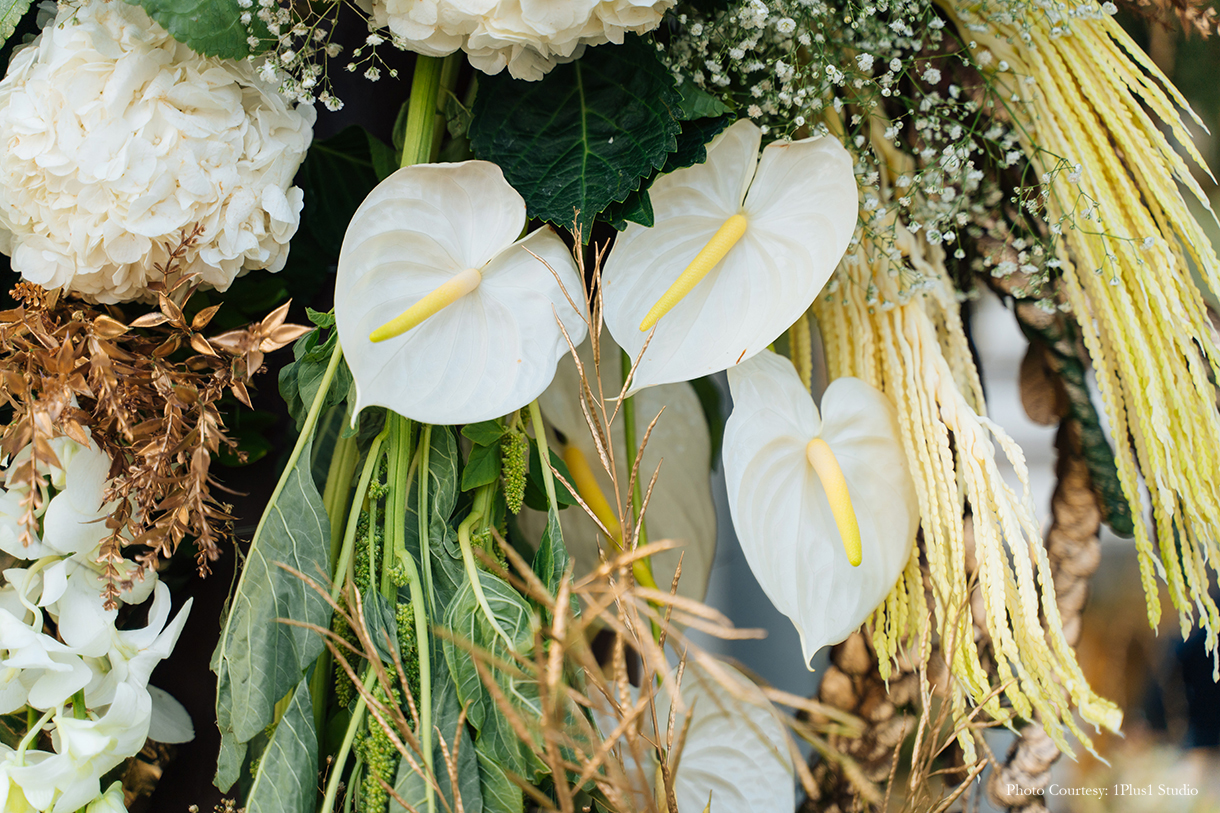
[(910, 343), (1090, 106)]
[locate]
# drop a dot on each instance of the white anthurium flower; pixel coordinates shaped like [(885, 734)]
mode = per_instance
[(171, 722), (735, 751), (680, 509), (740, 248), (824, 505), (445, 316)]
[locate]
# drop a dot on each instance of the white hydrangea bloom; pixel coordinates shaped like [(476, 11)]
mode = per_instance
[(529, 37), (117, 138)]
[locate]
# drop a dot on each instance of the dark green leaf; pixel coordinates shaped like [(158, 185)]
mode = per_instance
[(444, 463), (259, 660), (552, 560), (385, 159), (500, 794), (325, 319), (585, 135), (299, 380), (287, 777), (482, 467), (446, 712), (484, 433), (697, 103), (637, 208), (209, 27), (535, 488), (337, 175), (693, 141), (382, 625)]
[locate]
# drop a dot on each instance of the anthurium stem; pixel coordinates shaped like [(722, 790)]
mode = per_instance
[(353, 520), (422, 108), (478, 512), (637, 494), (420, 590), (336, 770)]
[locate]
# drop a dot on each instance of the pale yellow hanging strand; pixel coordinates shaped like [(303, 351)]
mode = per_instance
[(1080, 92), (915, 350)]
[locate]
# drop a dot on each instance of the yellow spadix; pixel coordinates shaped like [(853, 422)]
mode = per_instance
[(793, 498), (708, 258), (827, 468), (433, 303)]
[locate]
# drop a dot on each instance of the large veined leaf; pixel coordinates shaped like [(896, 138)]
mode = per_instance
[(446, 712), (585, 135), (208, 27), (468, 624), (259, 660), (444, 477), (287, 777), (11, 12), (500, 794)]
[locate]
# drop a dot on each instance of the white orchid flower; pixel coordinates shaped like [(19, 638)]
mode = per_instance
[(72, 518), (824, 506), (735, 751), (680, 509), (133, 654), (109, 802), (740, 249), (85, 751), (445, 316)]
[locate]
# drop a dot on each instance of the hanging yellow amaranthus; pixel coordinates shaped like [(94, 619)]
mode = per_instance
[(1089, 105), (911, 344)]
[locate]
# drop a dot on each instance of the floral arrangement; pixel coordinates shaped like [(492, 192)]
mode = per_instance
[(477, 582)]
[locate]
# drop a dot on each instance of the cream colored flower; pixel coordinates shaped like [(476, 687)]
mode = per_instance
[(117, 138), (824, 505), (445, 316), (740, 248), (529, 37)]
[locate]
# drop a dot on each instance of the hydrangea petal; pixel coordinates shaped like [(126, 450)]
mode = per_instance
[(801, 209), (494, 349), (781, 512)]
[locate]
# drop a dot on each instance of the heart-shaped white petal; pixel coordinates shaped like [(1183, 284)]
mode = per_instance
[(781, 511), (680, 508), (800, 206), (491, 351), (735, 748)]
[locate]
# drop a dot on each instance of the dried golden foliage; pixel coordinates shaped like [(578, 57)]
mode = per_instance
[(1196, 16), (148, 392)]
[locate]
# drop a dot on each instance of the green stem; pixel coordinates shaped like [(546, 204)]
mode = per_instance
[(332, 783), (419, 589), (641, 568), (349, 538), (79, 712), (637, 494), (450, 68), (479, 510), (425, 554), (421, 110), (338, 486), (32, 733), (319, 682), (544, 455), (311, 423)]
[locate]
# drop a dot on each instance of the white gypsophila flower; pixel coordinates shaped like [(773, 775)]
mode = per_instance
[(529, 37), (119, 139)]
